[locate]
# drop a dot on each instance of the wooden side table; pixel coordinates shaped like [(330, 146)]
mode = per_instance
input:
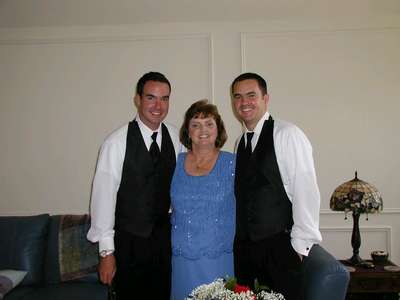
[(376, 283)]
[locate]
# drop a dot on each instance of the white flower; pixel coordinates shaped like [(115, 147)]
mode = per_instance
[(270, 296), (216, 291)]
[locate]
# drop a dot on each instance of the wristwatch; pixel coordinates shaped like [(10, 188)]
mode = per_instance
[(104, 253)]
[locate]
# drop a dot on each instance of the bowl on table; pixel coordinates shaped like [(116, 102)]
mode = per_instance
[(379, 256)]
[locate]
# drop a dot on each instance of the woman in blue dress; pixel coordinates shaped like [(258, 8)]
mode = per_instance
[(203, 203)]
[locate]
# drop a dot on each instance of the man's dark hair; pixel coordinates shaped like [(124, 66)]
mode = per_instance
[(245, 76), (150, 76)]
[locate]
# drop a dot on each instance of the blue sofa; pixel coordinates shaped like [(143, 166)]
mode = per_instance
[(38, 245), (60, 262)]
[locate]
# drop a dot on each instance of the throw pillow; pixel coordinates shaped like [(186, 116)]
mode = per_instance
[(9, 279), (77, 256)]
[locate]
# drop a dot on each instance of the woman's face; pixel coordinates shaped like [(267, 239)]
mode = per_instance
[(203, 131)]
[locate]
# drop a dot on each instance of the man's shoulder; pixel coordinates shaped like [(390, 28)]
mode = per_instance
[(174, 134), (285, 131), (283, 124), (173, 131), (282, 127), (117, 136)]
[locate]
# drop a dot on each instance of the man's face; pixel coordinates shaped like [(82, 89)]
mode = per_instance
[(249, 102), (153, 104)]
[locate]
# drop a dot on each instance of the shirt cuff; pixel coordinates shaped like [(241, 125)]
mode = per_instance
[(302, 247), (106, 244)]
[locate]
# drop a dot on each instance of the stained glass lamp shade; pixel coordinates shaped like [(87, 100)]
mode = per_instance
[(358, 197)]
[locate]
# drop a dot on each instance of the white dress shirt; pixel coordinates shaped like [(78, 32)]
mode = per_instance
[(108, 177), (296, 165)]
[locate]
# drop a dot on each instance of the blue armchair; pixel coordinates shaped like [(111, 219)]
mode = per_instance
[(325, 277)]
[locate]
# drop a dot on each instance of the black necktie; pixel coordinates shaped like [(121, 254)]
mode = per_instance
[(154, 150), (248, 145)]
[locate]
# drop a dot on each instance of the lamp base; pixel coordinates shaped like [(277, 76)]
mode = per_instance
[(355, 260)]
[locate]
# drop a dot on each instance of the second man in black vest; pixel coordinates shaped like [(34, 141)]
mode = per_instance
[(277, 210), (130, 197)]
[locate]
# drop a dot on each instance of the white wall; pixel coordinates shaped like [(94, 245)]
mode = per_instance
[(63, 89)]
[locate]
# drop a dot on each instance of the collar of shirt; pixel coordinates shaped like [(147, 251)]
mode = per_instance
[(257, 131), (147, 132)]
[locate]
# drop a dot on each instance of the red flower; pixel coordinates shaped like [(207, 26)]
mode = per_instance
[(240, 288)]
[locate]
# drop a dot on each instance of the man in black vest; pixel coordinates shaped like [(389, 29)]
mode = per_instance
[(130, 197), (277, 212)]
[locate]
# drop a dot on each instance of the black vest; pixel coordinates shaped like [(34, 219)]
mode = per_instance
[(143, 199), (262, 205)]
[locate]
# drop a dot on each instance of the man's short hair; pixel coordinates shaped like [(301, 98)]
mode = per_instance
[(150, 76), (262, 84)]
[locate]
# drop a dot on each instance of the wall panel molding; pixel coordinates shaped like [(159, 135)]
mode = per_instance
[(89, 76), (386, 211), (306, 33), (243, 37), (212, 69), (97, 39), (385, 230), (26, 40)]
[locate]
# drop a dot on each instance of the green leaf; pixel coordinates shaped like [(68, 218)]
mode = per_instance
[(258, 287), (230, 283)]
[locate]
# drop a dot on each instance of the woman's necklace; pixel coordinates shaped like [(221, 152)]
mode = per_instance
[(204, 164)]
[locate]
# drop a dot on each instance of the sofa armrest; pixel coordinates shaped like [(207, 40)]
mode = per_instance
[(23, 243), (325, 277)]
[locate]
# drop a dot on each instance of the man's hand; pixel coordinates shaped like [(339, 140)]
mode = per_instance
[(107, 268)]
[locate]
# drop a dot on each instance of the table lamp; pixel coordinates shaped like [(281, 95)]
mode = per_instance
[(358, 197)]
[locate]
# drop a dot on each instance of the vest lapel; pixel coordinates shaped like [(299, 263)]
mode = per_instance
[(241, 159), (140, 150), (167, 147), (264, 149)]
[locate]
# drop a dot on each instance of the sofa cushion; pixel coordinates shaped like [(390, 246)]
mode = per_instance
[(20, 292), (70, 256), (23, 244), (62, 291)]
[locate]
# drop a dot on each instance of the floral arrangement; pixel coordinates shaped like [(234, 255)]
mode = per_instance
[(228, 289)]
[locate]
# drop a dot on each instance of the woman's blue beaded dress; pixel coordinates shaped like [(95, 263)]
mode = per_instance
[(203, 225)]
